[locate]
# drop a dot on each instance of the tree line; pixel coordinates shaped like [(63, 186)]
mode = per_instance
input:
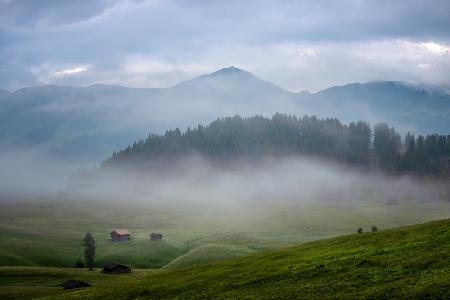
[(356, 143)]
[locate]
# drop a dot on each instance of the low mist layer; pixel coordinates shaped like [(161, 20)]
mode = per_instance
[(198, 181), (209, 211)]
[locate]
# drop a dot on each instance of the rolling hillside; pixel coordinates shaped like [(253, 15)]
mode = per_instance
[(410, 263)]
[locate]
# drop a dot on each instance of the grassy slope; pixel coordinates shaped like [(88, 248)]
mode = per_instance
[(33, 282), (31, 232), (408, 262), (50, 234)]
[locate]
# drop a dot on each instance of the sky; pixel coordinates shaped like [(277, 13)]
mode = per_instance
[(299, 45)]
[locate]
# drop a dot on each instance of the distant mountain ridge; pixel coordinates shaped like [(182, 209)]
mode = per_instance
[(90, 122), (3, 92)]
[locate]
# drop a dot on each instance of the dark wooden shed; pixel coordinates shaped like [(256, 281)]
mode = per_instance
[(120, 235), (115, 268), (74, 284), (156, 236)]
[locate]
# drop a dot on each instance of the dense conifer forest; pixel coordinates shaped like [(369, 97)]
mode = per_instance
[(237, 137)]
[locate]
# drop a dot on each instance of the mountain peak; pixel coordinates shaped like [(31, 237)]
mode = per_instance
[(230, 71), (229, 74)]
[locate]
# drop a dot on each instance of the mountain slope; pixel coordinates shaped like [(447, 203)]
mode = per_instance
[(61, 118), (412, 108), (3, 92), (88, 123), (405, 263), (98, 119)]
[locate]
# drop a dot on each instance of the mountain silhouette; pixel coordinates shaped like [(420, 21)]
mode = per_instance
[(88, 123)]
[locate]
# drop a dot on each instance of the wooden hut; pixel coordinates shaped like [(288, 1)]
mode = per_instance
[(115, 268), (74, 284), (120, 235), (156, 236)]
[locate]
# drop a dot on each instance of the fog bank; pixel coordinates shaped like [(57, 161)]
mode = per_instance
[(198, 182)]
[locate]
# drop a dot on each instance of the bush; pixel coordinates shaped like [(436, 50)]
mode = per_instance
[(374, 228), (360, 230)]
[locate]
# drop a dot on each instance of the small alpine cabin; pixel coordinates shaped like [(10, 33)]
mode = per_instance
[(115, 268), (156, 236), (120, 235)]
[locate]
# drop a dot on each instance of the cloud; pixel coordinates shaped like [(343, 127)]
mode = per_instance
[(436, 48), (158, 43), (71, 71), (41, 13)]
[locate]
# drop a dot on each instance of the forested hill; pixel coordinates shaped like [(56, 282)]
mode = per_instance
[(237, 137)]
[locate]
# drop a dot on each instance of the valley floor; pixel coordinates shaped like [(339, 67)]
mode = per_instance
[(50, 233), (410, 262)]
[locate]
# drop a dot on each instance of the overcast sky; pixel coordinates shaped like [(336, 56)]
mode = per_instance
[(157, 43)]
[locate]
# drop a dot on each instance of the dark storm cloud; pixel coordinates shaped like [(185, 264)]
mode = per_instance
[(25, 13), (45, 41)]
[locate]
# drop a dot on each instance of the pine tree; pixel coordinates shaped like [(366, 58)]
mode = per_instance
[(89, 250)]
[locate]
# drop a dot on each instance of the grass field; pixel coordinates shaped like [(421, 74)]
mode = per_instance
[(50, 233), (409, 263), (33, 282)]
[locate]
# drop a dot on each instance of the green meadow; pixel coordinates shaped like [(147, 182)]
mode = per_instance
[(410, 262), (50, 233)]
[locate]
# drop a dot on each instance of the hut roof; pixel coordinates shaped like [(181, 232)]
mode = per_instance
[(121, 231), (73, 284), (113, 267)]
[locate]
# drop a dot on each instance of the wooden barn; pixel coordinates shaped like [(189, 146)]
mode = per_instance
[(156, 236), (120, 235), (75, 284), (115, 268)]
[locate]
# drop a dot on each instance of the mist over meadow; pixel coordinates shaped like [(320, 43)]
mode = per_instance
[(197, 182), (237, 162)]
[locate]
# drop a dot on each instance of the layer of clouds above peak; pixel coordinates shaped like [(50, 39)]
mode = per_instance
[(154, 43)]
